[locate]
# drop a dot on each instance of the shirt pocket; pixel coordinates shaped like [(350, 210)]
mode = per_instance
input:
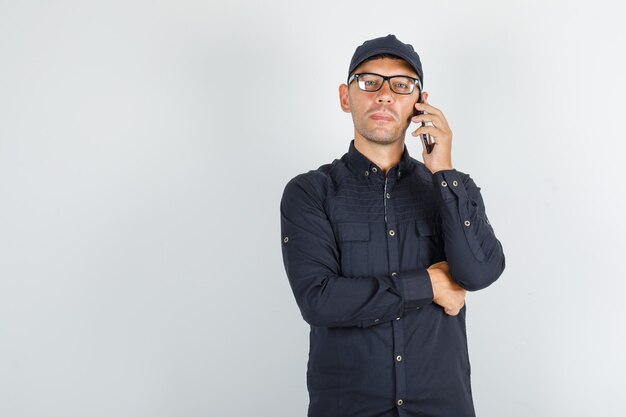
[(430, 249), (353, 239)]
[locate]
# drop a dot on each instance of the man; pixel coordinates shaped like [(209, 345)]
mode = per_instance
[(380, 248)]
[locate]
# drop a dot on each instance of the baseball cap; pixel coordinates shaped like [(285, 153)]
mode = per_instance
[(387, 45)]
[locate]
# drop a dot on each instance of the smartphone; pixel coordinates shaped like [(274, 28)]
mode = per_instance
[(425, 136)]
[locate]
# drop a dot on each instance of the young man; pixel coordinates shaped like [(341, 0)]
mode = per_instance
[(380, 248)]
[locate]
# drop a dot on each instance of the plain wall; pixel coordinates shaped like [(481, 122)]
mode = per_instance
[(144, 147)]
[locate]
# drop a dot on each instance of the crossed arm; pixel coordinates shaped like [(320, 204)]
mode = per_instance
[(326, 298)]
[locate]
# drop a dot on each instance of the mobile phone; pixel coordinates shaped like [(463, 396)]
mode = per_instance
[(425, 136)]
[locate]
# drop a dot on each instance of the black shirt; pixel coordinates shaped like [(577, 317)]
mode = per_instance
[(356, 244)]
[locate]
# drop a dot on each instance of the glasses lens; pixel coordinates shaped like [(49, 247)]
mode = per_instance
[(373, 82), (402, 85), (370, 82)]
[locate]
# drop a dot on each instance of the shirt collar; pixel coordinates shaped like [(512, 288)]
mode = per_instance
[(366, 167)]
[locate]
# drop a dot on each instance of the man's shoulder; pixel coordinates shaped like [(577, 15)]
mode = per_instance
[(316, 182), (319, 176)]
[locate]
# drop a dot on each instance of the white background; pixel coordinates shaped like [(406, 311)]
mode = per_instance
[(144, 147)]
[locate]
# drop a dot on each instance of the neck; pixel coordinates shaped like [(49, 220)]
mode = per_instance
[(386, 156)]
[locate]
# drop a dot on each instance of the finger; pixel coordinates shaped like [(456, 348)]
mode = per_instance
[(442, 266), (431, 110), (428, 108), (439, 264), (451, 312), (431, 130), (431, 120), (428, 118)]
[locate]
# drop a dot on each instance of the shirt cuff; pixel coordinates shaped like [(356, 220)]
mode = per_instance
[(418, 289)]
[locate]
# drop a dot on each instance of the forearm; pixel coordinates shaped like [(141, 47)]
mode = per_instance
[(473, 252), (331, 300), (324, 295)]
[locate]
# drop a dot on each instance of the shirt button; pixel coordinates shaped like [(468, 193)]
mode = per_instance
[(444, 184), (400, 402), (374, 170), (388, 195), (367, 173), (466, 223), (399, 358), (376, 320), (392, 233), (394, 274), (286, 239), (455, 183), (397, 318)]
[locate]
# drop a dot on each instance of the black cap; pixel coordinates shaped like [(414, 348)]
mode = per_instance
[(387, 45)]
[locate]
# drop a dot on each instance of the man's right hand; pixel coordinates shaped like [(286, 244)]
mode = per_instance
[(447, 293)]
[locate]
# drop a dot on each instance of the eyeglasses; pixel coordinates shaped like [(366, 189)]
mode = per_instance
[(400, 84)]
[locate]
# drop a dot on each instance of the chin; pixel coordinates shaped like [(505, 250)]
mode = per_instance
[(381, 138)]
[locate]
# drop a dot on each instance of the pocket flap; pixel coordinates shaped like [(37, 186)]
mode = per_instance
[(351, 232)]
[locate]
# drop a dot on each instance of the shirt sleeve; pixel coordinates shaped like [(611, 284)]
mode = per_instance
[(312, 263), (473, 252)]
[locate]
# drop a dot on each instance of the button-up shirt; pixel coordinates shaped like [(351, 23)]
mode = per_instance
[(356, 243)]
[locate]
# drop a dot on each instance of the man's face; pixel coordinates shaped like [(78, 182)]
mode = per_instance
[(382, 116)]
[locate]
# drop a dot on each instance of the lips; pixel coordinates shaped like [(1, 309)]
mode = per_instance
[(382, 116)]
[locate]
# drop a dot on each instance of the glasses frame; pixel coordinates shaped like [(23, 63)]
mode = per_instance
[(388, 79)]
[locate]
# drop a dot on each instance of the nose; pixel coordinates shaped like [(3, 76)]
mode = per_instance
[(385, 95)]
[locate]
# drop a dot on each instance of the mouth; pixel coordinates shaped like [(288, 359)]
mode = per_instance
[(382, 116)]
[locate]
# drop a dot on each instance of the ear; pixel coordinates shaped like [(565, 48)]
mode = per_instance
[(424, 97), (344, 100)]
